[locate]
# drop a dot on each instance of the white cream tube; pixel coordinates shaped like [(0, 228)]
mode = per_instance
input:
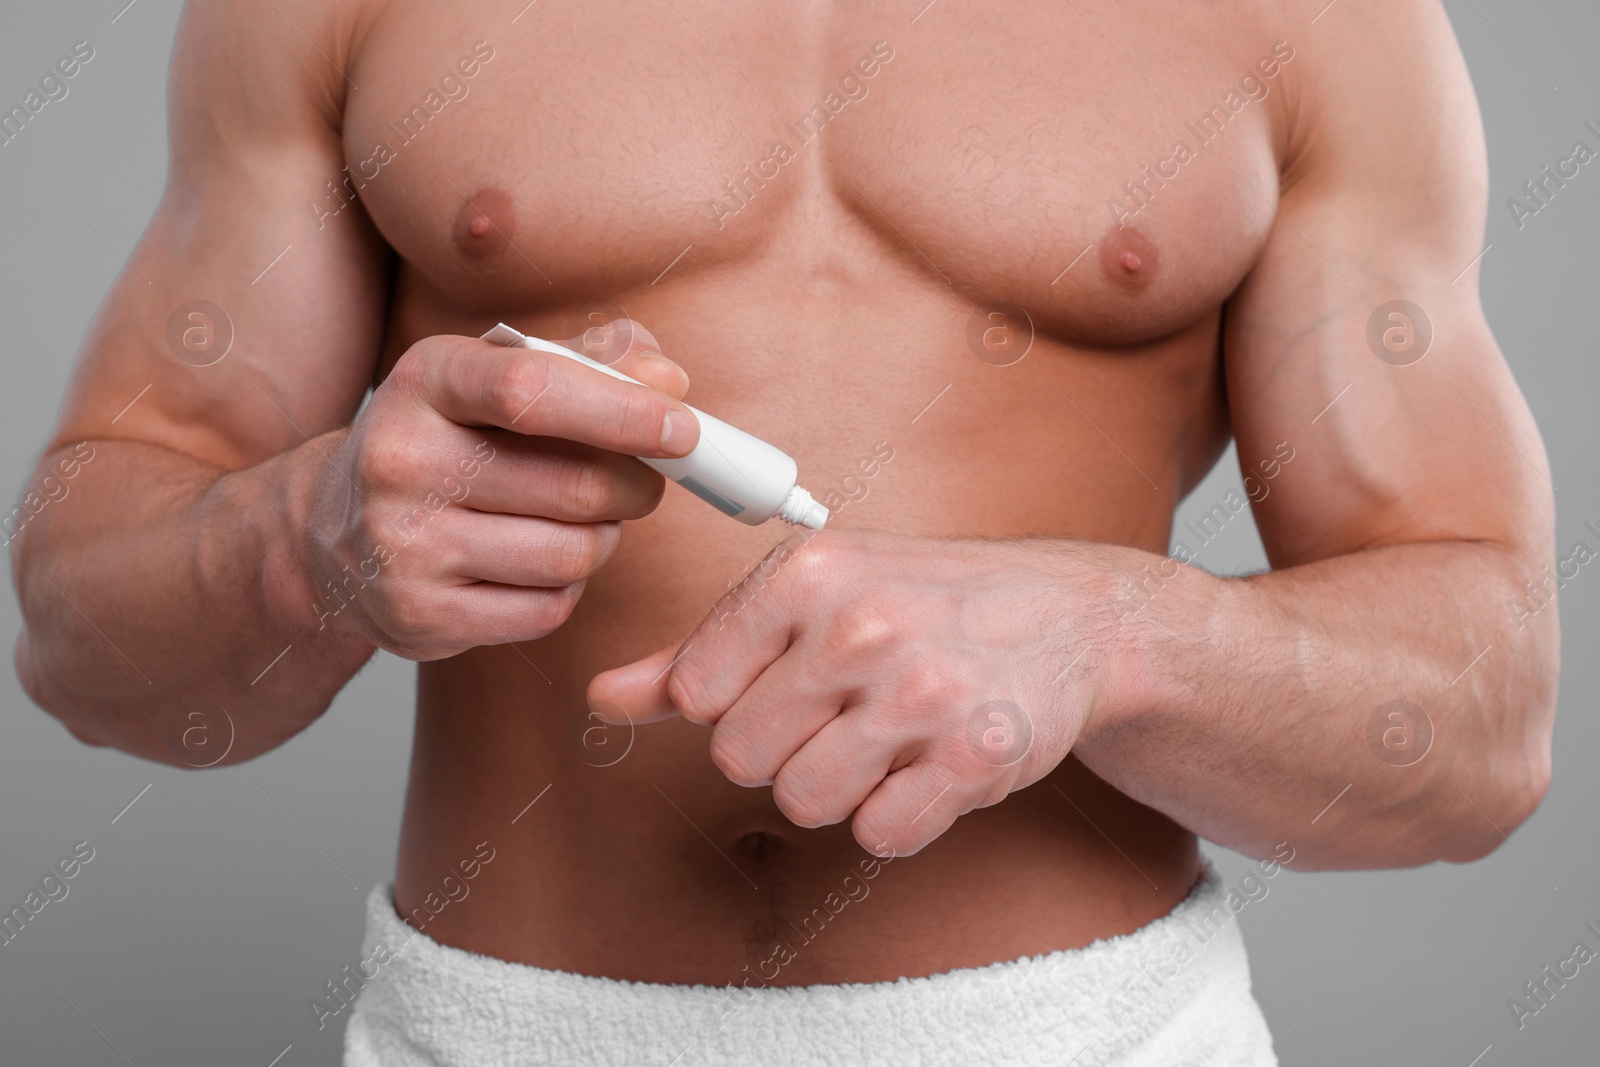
[(736, 473)]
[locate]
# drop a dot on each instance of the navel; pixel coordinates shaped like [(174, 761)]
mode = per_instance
[(1128, 258), (757, 845), (486, 222)]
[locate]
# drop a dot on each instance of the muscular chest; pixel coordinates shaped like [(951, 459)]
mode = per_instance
[(1110, 170)]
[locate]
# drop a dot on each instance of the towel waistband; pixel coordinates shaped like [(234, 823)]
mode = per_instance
[(1172, 993)]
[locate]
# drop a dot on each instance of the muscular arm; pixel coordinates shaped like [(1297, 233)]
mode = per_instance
[(1400, 534), (154, 583), (232, 540)]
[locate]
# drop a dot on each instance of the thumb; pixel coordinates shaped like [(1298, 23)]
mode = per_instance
[(626, 346), (637, 692)]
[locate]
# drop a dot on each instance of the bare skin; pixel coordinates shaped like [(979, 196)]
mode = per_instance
[(1000, 554)]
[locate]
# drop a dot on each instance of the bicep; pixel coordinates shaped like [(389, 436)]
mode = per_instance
[(1357, 347), (246, 321)]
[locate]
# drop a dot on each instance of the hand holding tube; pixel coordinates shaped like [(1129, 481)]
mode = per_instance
[(733, 471)]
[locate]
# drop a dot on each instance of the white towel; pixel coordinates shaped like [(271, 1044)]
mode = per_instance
[(1174, 993)]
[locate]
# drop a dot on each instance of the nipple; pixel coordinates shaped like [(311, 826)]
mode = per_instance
[(486, 220), (1129, 259)]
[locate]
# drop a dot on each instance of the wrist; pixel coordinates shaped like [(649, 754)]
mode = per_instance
[(1155, 607), (289, 588)]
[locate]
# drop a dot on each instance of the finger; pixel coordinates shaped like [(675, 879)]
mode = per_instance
[(522, 551), (835, 771), (745, 632), (479, 614), (556, 479), (626, 346), (914, 805), (639, 689), (476, 383), (508, 613), (781, 711)]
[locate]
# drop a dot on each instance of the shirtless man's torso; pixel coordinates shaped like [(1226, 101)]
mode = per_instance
[(986, 273), (812, 318)]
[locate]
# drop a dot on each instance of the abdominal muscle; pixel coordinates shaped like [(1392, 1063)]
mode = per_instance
[(637, 859)]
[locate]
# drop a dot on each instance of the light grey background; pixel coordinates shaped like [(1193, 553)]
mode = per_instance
[(219, 903)]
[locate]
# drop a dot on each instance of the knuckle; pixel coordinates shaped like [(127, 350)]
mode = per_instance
[(734, 759), (690, 695), (409, 620), (798, 804), (818, 555), (551, 609), (590, 491), (572, 555), (861, 631), (514, 386), (383, 458), (415, 651), (992, 794), (422, 369), (810, 568), (411, 368), (777, 563), (874, 834), (637, 419), (577, 553)]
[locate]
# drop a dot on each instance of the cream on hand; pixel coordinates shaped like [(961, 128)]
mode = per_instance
[(735, 473)]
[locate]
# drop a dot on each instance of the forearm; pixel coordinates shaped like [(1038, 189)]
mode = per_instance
[(1249, 706), (161, 586)]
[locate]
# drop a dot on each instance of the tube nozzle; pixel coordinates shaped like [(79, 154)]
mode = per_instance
[(799, 509)]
